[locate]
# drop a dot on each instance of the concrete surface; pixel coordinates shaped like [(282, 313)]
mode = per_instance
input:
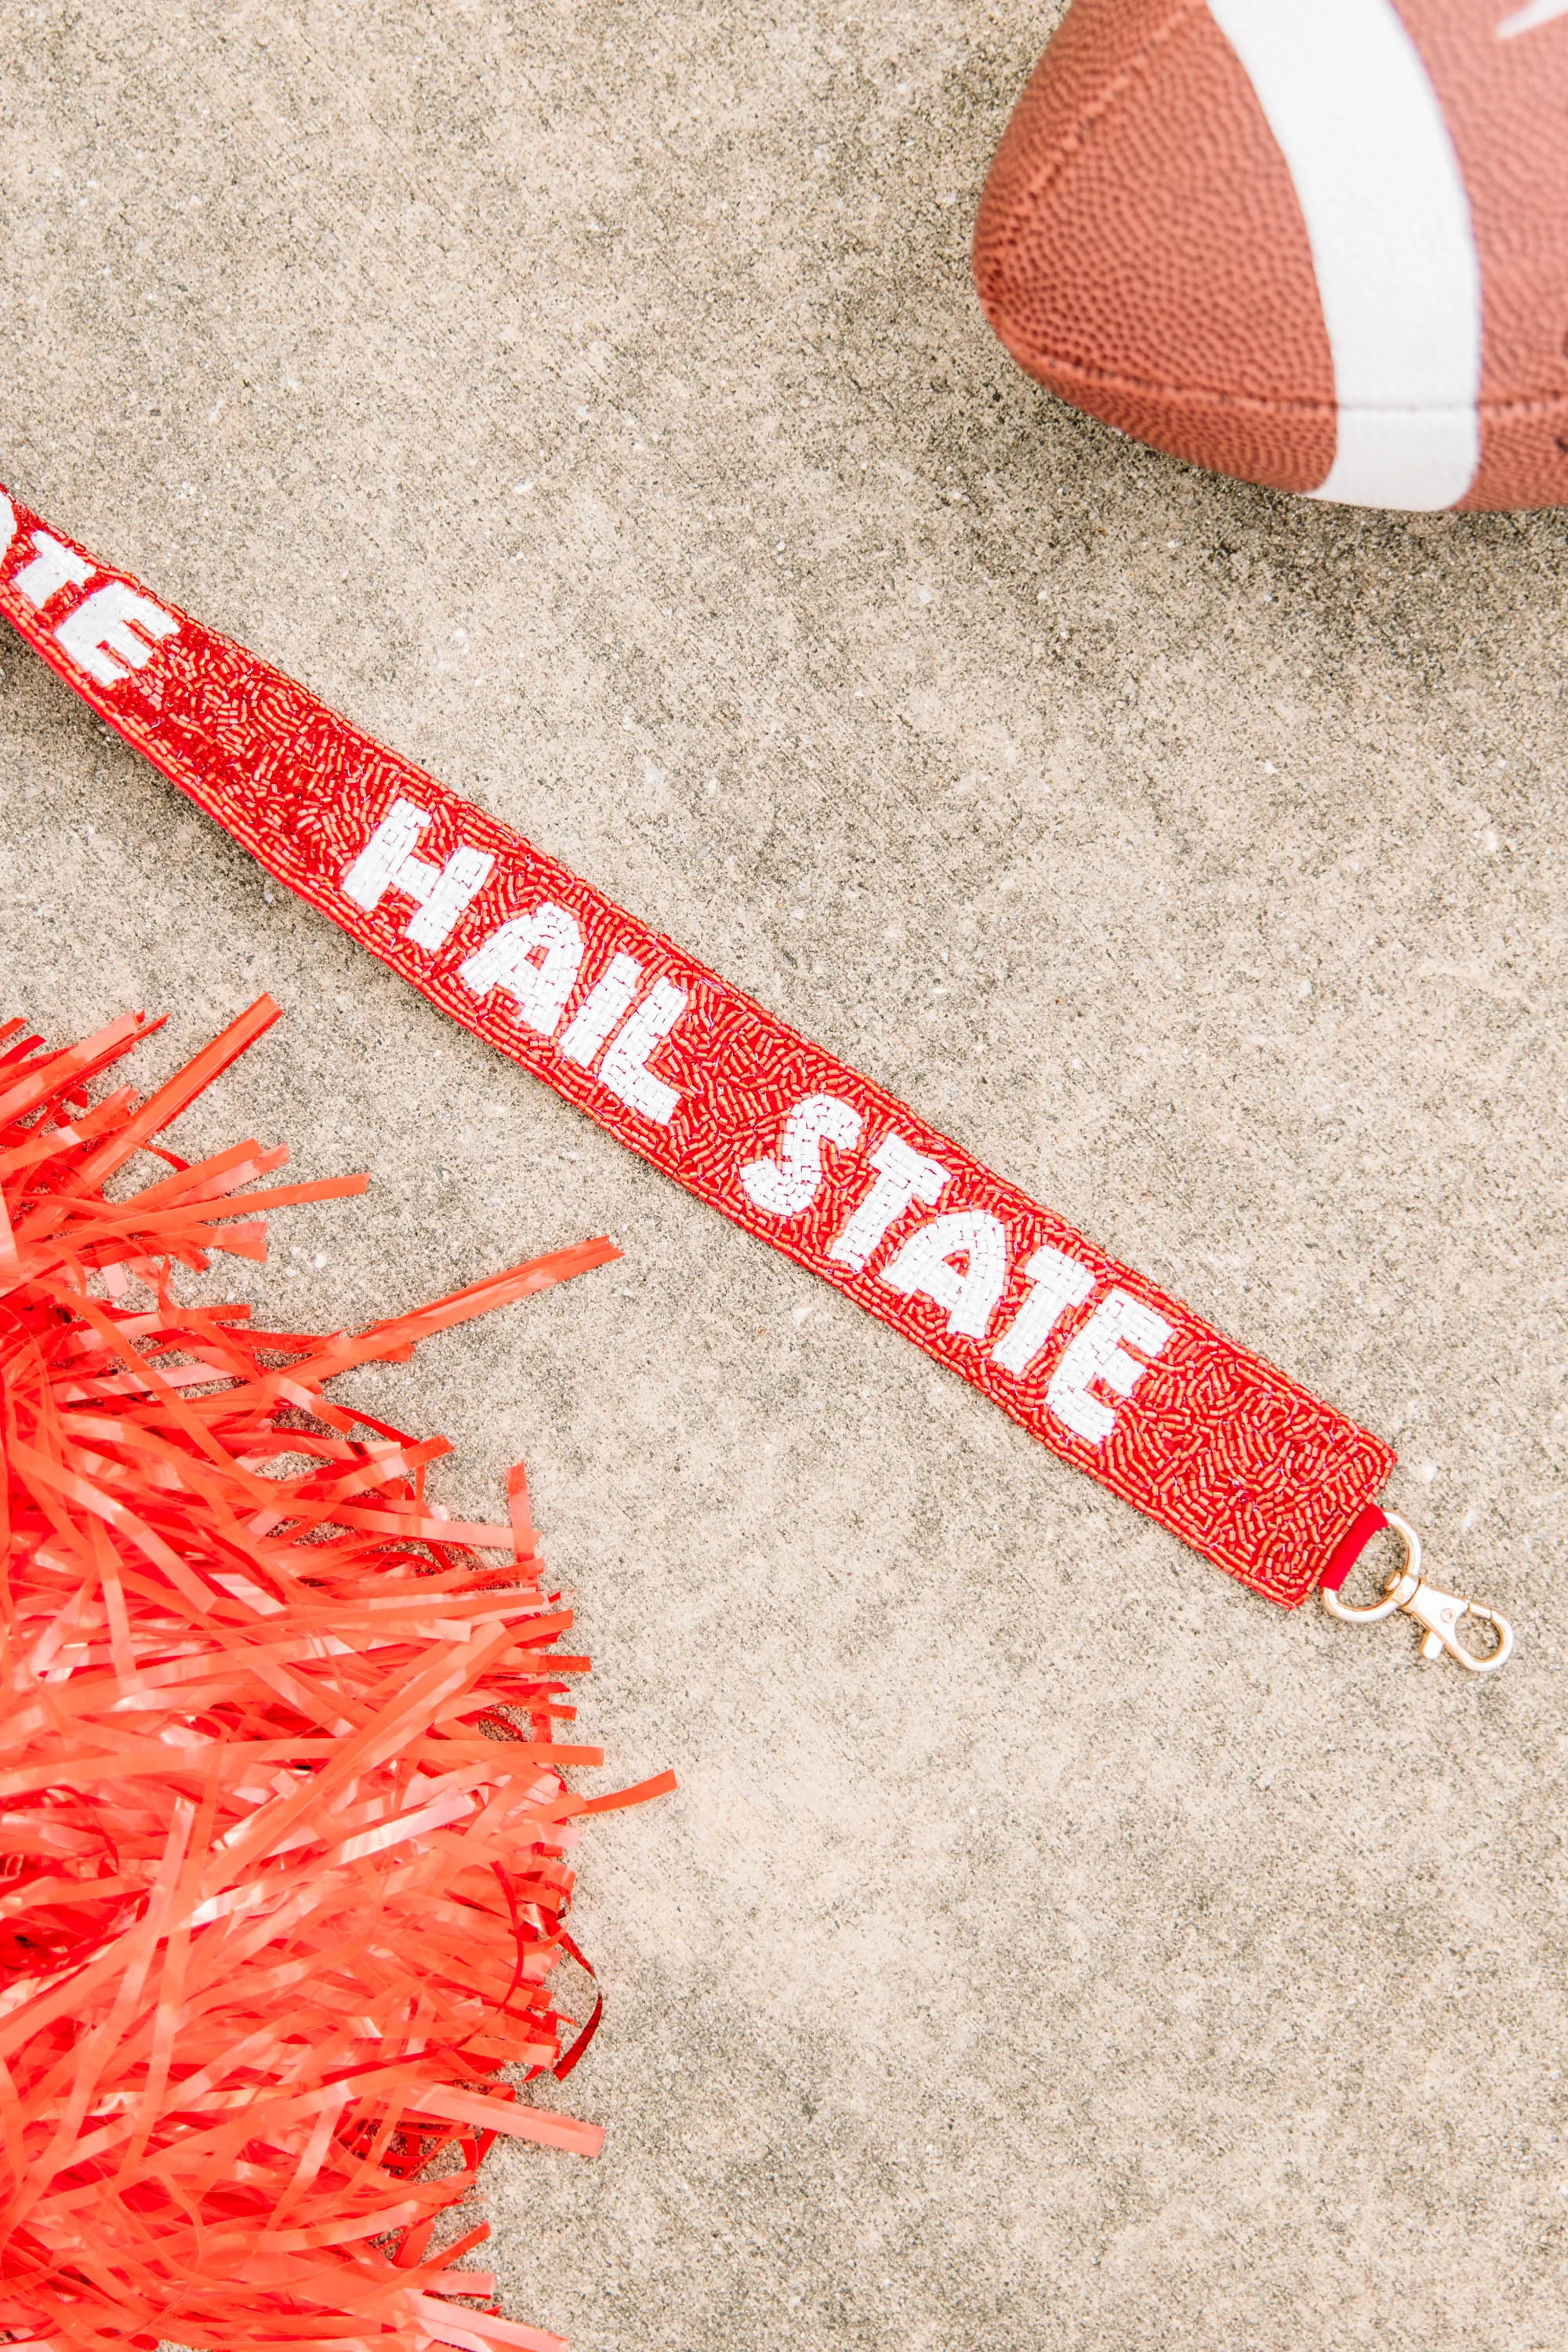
[(1053, 1948)]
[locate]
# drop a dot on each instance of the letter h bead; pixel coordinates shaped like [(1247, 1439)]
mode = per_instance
[(442, 892)]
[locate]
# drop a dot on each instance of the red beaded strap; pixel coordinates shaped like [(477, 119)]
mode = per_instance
[(1098, 1363)]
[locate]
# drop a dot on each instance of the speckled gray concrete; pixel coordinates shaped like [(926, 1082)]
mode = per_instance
[(1053, 1948)]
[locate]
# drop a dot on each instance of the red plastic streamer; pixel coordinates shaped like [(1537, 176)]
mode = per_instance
[(283, 1824)]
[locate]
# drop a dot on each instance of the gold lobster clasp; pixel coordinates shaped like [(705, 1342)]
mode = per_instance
[(1440, 1613)]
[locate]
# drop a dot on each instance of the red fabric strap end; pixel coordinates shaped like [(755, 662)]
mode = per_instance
[(1350, 1548), (1104, 1367)]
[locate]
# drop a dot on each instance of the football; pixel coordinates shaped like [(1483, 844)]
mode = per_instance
[(1321, 245)]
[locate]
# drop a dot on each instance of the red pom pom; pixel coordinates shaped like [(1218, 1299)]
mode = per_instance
[(282, 1821)]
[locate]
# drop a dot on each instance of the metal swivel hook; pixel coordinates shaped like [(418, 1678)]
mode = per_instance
[(1440, 1613)]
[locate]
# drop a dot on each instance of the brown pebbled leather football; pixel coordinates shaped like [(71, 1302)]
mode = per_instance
[(1318, 244)]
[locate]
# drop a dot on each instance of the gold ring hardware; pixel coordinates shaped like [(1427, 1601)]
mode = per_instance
[(1440, 1613)]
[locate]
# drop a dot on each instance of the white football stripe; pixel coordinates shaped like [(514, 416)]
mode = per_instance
[(1526, 19), (1345, 93)]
